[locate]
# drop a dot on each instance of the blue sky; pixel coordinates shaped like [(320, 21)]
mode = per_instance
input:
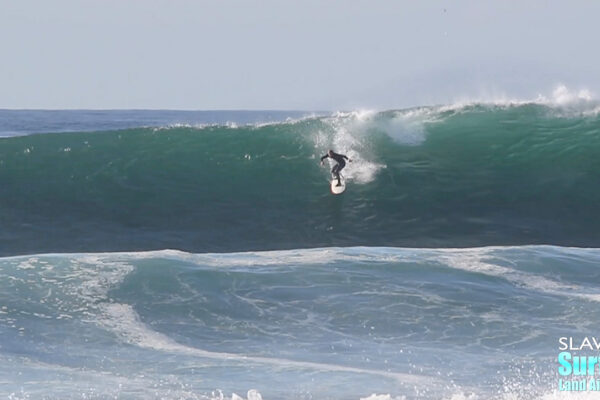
[(312, 55)]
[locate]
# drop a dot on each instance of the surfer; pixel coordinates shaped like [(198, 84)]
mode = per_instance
[(340, 164)]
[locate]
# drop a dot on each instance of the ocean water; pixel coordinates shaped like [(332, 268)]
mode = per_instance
[(474, 175), (200, 255)]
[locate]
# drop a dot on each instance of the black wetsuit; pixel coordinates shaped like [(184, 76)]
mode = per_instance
[(341, 163)]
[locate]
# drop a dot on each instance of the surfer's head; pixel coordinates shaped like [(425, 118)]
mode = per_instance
[(330, 152)]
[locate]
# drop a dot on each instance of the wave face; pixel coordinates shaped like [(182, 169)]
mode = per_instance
[(428, 177), (301, 324)]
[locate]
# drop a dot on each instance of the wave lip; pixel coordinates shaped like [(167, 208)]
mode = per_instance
[(578, 101)]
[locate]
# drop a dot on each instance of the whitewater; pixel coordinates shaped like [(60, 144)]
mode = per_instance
[(199, 255)]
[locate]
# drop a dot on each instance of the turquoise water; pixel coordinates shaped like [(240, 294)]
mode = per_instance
[(429, 177), (325, 323), (200, 255)]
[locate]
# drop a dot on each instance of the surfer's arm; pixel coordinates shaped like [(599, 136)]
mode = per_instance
[(324, 157)]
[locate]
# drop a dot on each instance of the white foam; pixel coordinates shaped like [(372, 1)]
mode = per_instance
[(28, 264), (520, 394), (348, 135), (408, 126), (251, 395), (102, 272), (462, 396), (382, 397), (477, 260), (124, 322), (94, 275), (566, 100), (235, 125), (558, 395), (561, 95)]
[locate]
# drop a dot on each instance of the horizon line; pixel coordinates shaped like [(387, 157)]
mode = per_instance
[(161, 109)]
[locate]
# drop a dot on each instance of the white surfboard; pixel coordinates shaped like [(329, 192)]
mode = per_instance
[(335, 189)]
